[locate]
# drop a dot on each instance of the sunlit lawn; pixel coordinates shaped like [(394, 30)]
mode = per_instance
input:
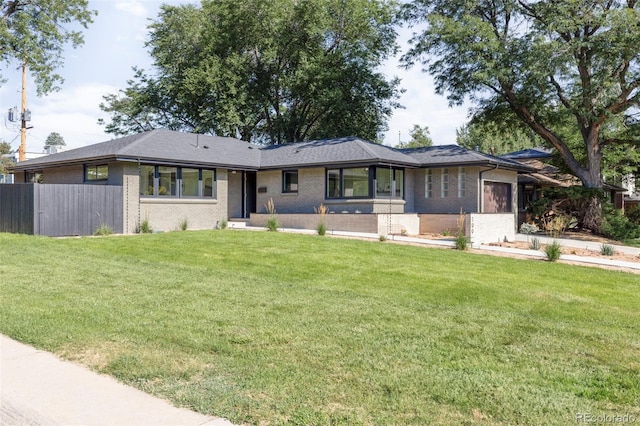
[(271, 328)]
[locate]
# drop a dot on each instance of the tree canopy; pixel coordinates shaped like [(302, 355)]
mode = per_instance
[(268, 72), (34, 32), (420, 137), (568, 70), (5, 161), (494, 138), (54, 139)]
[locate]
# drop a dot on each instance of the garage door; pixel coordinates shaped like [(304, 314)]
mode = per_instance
[(497, 197)]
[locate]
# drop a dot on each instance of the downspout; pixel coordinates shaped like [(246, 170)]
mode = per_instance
[(139, 197)]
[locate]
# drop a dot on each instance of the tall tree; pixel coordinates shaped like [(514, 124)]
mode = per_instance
[(270, 72), (492, 138), (544, 61), (54, 139), (35, 32), (420, 137)]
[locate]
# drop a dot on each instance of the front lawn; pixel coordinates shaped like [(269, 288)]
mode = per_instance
[(268, 328)]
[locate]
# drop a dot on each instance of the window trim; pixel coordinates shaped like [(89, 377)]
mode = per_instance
[(444, 182), (370, 182), (290, 172), (88, 167), (462, 182), (428, 184)]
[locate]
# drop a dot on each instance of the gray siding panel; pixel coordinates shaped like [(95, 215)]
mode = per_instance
[(16, 208), (60, 210)]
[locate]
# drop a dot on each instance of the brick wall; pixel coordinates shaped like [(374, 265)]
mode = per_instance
[(451, 203), (309, 196)]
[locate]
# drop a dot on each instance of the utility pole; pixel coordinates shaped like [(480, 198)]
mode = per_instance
[(23, 115)]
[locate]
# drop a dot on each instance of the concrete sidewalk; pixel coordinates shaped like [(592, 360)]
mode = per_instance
[(37, 388)]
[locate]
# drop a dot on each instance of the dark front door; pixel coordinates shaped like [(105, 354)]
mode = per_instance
[(249, 194)]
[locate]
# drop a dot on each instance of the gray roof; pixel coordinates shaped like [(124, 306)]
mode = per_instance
[(159, 146), (455, 155), (530, 153), (162, 146), (348, 150)]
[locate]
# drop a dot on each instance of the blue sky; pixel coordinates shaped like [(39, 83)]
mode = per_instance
[(115, 42)]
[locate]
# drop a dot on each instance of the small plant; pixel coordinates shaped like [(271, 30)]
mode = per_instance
[(144, 227), (103, 230), (553, 251), (556, 225), (528, 228), (534, 244), (184, 224), (382, 238), (446, 232), (607, 250), (321, 228), (272, 222), (461, 239), (322, 212), (223, 224)]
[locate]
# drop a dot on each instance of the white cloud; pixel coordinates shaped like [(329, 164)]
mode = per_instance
[(132, 7)]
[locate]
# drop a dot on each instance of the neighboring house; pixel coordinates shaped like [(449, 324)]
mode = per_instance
[(532, 184), (168, 177)]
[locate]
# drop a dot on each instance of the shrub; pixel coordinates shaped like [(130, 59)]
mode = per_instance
[(534, 244), (223, 224), (103, 230), (322, 228), (446, 232), (382, 238), (607, 250), (144, 227), (617, 226), (633, 214), (272, 222), (528, 228), (184, 224), (553, 251), (461, 241)]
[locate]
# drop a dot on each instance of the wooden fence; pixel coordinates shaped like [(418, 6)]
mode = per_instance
[(60, 210)]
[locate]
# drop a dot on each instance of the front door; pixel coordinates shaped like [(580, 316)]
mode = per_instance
[(249, 194)]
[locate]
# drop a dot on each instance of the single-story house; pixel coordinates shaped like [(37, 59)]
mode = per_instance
[(168, 177)]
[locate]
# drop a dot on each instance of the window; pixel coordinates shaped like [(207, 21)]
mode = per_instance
[(444, 183), (100, 172), (398, 175), (290, 181), (147, 180), (208, 187), (176, 182), (167, 181), (384, 182), (428, 184), (389, 182), (356, 182), (190, 183), (462, 182), (333, 183), (348, 183)]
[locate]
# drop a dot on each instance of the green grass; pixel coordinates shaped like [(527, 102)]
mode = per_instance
[(263, 327)]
